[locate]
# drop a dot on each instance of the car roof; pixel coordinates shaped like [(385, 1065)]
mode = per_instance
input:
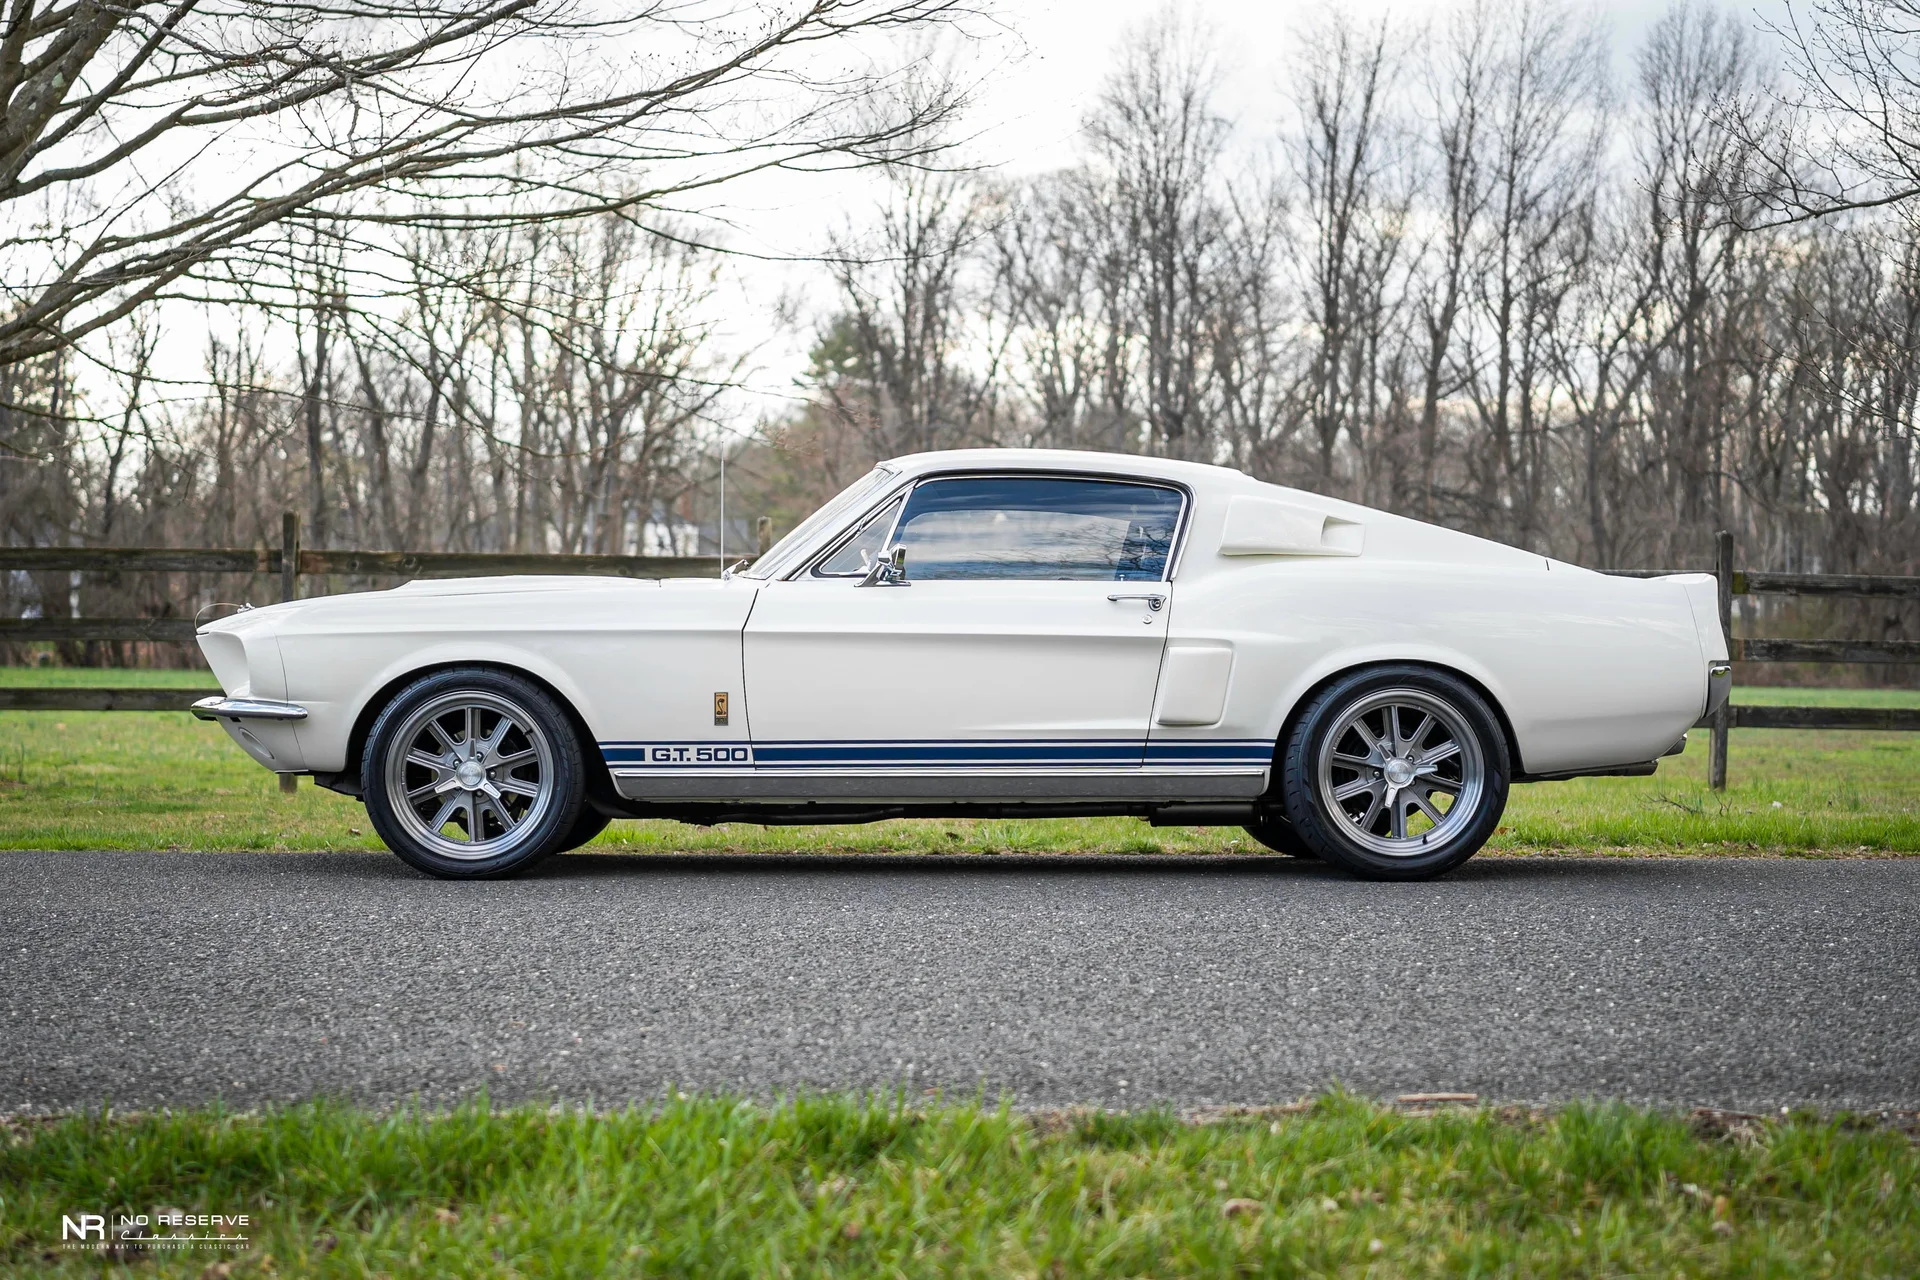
[(1389, 536), (1193, 473)]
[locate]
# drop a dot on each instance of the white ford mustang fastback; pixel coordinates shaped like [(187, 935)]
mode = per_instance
[(991, 633)]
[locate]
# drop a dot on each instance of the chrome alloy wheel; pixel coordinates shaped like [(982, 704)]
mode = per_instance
[(1402, 772), (469, 773)]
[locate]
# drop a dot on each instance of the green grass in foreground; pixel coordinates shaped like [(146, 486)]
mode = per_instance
[(835, 1186), (148, 780)]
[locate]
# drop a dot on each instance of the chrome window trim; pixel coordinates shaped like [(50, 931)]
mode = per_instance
[(802, 556), (1179, 551), (853, 531), (905, 492)]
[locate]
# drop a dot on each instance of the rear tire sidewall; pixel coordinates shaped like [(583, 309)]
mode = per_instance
[(547, 833), (1300, 796)]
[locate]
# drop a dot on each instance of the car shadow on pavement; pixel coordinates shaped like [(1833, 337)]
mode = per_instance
[(612, 866), (1504, 870), (599, 863)]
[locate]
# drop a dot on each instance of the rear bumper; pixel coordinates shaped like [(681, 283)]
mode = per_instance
[(247, 709), (1719, 687)]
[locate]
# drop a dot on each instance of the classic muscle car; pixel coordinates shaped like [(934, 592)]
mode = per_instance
[(993, 633)]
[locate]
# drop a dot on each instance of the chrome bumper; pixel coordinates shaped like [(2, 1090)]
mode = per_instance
[(1719, 686), (246, 709)]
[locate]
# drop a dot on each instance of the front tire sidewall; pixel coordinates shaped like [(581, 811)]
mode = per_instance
[(1324, 833), (1272, 829), (546, 835), (589, 824)]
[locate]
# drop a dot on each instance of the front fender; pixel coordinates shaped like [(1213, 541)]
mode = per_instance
[(632, 658), (337, 693)]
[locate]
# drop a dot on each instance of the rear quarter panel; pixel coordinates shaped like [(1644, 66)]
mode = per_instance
[(1591, 671)]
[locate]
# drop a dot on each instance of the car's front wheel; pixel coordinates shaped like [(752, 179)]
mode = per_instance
[(589, 824), (1396, 773), (471, 773)]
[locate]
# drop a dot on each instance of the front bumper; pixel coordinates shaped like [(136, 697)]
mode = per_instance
[(238, 709)]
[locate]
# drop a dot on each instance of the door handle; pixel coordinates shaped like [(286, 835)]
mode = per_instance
[(1154, 601)]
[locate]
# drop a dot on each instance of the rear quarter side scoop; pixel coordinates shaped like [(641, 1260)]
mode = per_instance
[(1257, 526)]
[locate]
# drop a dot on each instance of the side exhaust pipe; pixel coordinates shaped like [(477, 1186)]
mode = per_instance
[(1201, 815)]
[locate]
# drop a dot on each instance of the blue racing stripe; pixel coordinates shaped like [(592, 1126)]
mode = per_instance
[(939, 753), (942, 753), (1249, 751)]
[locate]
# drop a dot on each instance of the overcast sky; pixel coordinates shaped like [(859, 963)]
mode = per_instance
[(1037, 81), (1062, 49)]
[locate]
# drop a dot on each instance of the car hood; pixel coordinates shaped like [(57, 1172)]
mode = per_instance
[(521, 584), (522, 598)]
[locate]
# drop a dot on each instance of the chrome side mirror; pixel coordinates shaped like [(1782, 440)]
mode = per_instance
[(889, 570)]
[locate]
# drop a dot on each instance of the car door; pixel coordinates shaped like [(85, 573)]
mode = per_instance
[(1019, 655)]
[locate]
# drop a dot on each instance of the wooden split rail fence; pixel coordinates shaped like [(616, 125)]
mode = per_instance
[(289, 562), (1750, 582)]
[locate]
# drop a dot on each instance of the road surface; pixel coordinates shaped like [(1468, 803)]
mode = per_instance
[(169, 978)]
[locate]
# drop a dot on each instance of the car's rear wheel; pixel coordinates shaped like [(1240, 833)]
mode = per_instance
[(472, 772), (1396, 773)]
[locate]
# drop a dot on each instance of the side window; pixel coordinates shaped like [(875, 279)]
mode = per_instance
[(1038, 527), (856, 555)]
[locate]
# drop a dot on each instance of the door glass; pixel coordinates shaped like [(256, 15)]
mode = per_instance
[(856, 556), (1038, 527)]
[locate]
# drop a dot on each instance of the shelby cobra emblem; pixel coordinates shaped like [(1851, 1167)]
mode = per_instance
[(991, 633)]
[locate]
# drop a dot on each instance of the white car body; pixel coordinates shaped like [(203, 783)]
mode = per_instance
[(1054, 695)]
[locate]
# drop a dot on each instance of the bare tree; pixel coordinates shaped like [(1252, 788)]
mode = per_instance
[(1849, 139), (1455, 88), (1046, 278), (1257, 392), (1695, 172), (154, 150), (1156, 140), (1546, 104), (897, 360), (1344, 162)]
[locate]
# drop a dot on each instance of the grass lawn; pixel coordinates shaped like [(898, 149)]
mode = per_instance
[(151, 780), (843, 1187)]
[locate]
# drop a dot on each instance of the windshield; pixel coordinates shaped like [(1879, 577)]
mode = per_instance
[(785, 553)]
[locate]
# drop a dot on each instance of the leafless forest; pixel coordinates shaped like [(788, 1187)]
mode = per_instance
[(1495, 270)]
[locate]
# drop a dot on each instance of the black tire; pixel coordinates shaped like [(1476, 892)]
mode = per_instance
[(508, 727), (589, 824), (1271, 829), (1361, 836)]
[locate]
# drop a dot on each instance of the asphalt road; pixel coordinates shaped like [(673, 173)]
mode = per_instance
[(166, 978)]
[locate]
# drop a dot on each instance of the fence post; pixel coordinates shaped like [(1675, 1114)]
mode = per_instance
[(1722, 719), (289, 590), (290, 556), (763, 535)]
